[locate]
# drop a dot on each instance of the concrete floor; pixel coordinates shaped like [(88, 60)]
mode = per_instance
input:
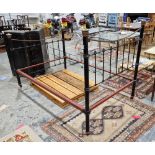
[(27, 106)]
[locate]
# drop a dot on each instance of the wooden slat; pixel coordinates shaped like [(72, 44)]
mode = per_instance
[(70, 80), (65, 85), (74, 79), (57, 87), (77, 76)]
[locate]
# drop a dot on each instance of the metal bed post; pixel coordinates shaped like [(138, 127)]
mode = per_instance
[(117, 50), (103, 65), (135, 43), (11, 51), (64, 50), (153, 89), (85, 34), (123, 54), (137, 59), (110, 59), (99, 43), (129, 48), (53, 52), (95, 66), (59, 52)]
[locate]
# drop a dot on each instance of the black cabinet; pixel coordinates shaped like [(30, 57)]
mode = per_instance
[(29, 52)]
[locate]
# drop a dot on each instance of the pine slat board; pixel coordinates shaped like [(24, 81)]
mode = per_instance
[(65, 85), (66, 82), (74, 79)]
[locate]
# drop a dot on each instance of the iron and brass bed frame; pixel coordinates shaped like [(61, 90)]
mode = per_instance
[(87, 108)]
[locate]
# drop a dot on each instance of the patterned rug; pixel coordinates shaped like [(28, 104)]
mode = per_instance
[(144, 84), (119, 119), (22, 134)]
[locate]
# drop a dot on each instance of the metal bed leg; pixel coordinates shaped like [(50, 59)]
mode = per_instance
[(86, 79), (137, 60), (64, 50), (13, 58), (18, 79)]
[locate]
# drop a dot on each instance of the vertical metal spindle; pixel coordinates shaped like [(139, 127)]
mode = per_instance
[(95, 66), (53, 52), (117, 56), (123, 55), (59, 52), (153, 89), (129, 54), (103, 50), (137, 59), (86, 78), (110, 59), (134, 50), (64, 50)]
